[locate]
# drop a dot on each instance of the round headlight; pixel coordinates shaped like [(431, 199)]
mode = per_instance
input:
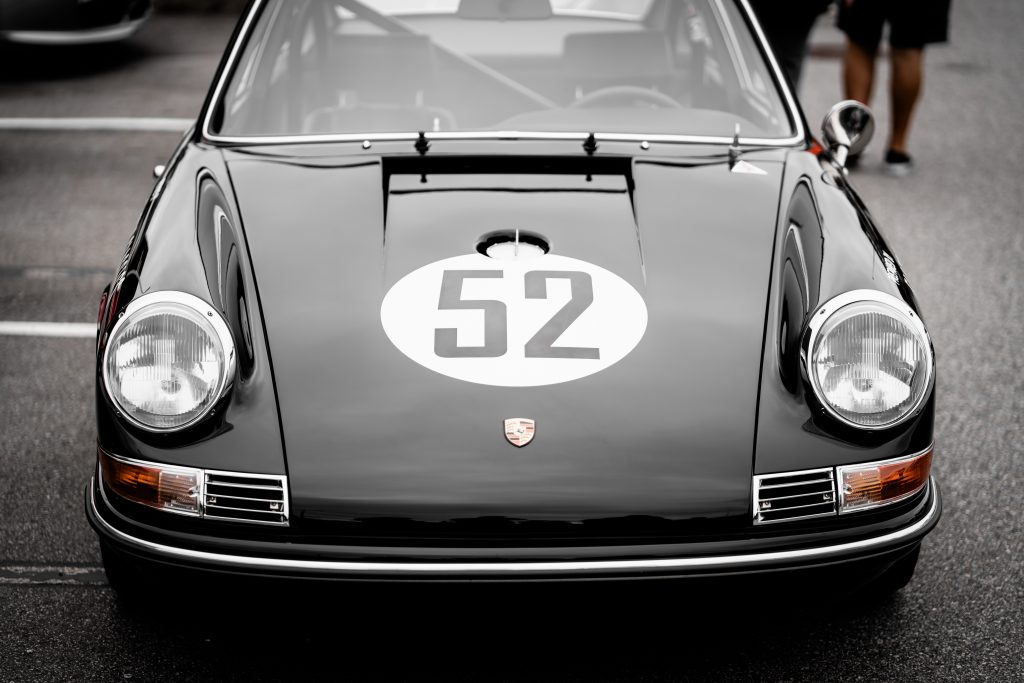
[(870, 360), (168, 360)]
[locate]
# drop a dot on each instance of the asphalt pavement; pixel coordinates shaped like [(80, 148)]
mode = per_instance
[(70, 199)]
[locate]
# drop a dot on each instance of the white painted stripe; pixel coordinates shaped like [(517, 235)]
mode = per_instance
[(34, 329), (50, 575), (54, 272), (118, 124)]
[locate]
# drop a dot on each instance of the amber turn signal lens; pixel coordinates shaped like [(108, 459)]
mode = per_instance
[(862, 487), (164, 487)]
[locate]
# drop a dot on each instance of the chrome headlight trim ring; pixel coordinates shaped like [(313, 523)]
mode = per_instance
[(903, 312), (199, 306)]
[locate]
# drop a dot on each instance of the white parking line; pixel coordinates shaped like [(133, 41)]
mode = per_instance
[(49, 575), (117, 124), (34, 329), (54, 272)]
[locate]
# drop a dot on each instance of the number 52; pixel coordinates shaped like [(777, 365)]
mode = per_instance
[(496, 315)]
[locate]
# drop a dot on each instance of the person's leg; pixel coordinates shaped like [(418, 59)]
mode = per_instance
[(862, 21), (912, 25), (905, 86), (858, 72)]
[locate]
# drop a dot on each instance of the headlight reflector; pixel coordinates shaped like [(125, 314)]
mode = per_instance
[(168, 360), (870, 359)]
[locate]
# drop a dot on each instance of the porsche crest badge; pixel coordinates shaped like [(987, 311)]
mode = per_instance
[(519, 431)]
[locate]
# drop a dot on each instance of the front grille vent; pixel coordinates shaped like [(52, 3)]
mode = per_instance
[(238, 497), (794, 495)]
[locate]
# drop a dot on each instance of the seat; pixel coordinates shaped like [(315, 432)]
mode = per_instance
[(592, 61), (382, 83)]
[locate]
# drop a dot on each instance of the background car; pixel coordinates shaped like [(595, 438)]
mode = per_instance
[(70, 22), (512, 292)]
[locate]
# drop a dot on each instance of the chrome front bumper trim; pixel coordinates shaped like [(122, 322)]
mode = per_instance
[(752, 561)]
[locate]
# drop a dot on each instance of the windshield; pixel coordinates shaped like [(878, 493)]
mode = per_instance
[(632, 8), (647, 67)]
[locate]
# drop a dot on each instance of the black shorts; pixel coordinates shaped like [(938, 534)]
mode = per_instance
[(912, 23)]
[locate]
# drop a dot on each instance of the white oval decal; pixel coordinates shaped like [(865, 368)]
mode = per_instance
[(514, 323)]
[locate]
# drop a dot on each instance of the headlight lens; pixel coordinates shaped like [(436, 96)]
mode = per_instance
[(168, 360), (871, 360)]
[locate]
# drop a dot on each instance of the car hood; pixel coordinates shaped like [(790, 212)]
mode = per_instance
[(372, 434)]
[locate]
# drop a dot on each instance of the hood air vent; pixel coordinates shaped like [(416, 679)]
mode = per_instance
[(794, 495), (238, 497)]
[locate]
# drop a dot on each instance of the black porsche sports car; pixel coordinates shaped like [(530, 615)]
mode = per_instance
[(510, 290)]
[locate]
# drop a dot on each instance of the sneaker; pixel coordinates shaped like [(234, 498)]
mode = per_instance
[(898, 164)]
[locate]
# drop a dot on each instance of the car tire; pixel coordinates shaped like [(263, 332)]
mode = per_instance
[(128, 579), (897, 576)]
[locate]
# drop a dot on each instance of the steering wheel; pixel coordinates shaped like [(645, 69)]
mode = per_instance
[(625, 94)]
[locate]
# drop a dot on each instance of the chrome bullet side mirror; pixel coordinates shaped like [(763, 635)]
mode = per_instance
[(847, 129)]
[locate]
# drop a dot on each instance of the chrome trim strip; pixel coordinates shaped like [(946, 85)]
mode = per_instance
[(218, 496), (502, 135), (803, 495), (218, 506), (249, 486), (793, 473), (768, 487), (243, 35), (835, 304), (803, 507), (800, 518), (528, 567)]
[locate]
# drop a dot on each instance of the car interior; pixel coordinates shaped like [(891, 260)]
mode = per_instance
[(319, 67)]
